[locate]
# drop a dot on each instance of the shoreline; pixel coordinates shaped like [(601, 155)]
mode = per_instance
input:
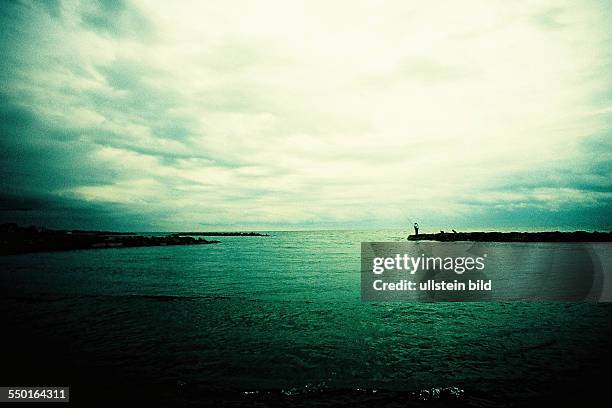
[(21, 240)]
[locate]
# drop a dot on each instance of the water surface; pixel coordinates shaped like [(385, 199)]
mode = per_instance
[(278, 320)]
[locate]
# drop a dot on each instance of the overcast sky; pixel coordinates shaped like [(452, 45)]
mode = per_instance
[(162, 115)]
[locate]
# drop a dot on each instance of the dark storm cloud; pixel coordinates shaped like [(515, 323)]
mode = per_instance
[(37, 163), (37, 155), (54, 211)]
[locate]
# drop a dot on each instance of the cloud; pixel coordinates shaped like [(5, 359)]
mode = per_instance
[(270, 115), (549, 19)]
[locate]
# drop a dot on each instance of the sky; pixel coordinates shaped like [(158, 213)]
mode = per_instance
[(283, 115)]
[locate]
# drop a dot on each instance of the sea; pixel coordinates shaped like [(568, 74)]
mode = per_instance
[(278, 321)]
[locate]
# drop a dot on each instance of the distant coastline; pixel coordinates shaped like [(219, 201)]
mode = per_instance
[(545, 236), (221, 234), (18, 240)]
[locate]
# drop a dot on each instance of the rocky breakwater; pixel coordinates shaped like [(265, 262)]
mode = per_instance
[(16, 240), (549, 236)]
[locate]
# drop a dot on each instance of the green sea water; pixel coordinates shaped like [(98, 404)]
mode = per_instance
[(278, 320)]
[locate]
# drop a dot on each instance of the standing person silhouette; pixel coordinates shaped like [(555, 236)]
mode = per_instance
[(416, 228)]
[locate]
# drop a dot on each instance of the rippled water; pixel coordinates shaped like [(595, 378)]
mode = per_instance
[(278, 321)]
